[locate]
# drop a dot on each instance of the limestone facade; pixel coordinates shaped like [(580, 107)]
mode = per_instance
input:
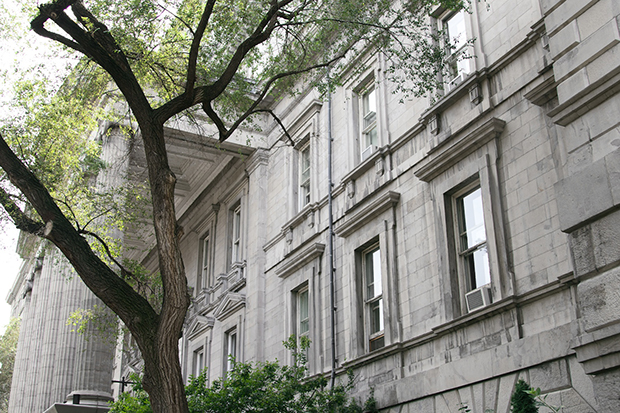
[(475, 234)]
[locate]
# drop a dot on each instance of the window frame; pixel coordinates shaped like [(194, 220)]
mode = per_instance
[(468, 275), (198, 361), (231, 338), (368, 119), (304, 189), (304, 290), (235, 233), (204, 269), (373, 305), (458, 280), (457, 62)]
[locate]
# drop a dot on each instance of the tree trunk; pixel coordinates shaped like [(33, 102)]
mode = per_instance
[(163, 380)]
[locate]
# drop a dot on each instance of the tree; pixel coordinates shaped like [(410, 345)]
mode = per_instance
[(8, 347), (220, 58), (260, 387)]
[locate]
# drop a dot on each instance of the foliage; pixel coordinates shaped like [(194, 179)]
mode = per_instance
[(267, 387), (135, 402), (8, 348), (541, 401), (522, 401)]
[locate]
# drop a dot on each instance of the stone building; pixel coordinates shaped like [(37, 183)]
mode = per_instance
[(474, 234)]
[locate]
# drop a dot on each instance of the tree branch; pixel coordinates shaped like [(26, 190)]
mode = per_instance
[(193, 52), (124, 272), (22, 221), (268, 85), (277, 119), (100, 279)]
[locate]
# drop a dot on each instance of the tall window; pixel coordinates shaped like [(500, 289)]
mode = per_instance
[(472, 240), (303, 314), (231, 349), (199, 361), (373, 297), (203, 278), (304, 176), (368, 121), (236, 234), (456, 40)]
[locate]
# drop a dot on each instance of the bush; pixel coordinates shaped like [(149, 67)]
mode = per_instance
[(522, 400), (261, 387)]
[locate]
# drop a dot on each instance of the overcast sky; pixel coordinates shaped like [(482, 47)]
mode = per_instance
[(18, 53), (9, 265)]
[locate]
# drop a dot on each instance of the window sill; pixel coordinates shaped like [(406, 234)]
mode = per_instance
[(365, 165), (475, 315)]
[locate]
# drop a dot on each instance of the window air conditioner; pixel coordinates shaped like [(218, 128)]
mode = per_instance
[(478, 298), (456, 81), (368, 151)]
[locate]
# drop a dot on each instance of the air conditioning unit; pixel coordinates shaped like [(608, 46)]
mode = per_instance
[(456, 81), (368, 151), (478, 298)]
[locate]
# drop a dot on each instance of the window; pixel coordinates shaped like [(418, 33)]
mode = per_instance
[(198, 361), (304, 176), (471, 248), (203, 276), (368, 121), (303, 315), (236, 234), (231, 349), (373, 296), (455, 38), (472, 241)]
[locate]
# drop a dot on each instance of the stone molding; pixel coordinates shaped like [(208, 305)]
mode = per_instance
[(451, 151), (353, 221), (299, 258)]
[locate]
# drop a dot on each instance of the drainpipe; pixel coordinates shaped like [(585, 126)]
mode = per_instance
[(332, 300)]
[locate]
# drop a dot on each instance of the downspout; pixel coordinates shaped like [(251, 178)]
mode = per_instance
[(332, 300)]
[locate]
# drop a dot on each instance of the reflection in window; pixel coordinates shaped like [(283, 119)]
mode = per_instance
[(374, 296), (369, 122), (203, 279), (455, 40), (236, 234), (231, 349), (472, 239), (303, 317), (304, 176), (198, 362)]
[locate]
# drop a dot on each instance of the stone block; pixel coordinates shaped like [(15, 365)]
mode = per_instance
[(573, 85), (506, 386), (549, 5), (583, 195), (490, 394), (605, 66), (612, 162), (598, 299), (565, 13), (597, 15), (582, 382), (550, 376), (606, 240), (564, 40), (419, 406), (589, 49)]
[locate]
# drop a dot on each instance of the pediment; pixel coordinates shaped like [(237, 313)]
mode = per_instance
[(229, 305), (198, 325)]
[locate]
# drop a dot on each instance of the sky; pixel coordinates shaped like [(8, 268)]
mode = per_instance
[(9, 266), (18, 52)]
